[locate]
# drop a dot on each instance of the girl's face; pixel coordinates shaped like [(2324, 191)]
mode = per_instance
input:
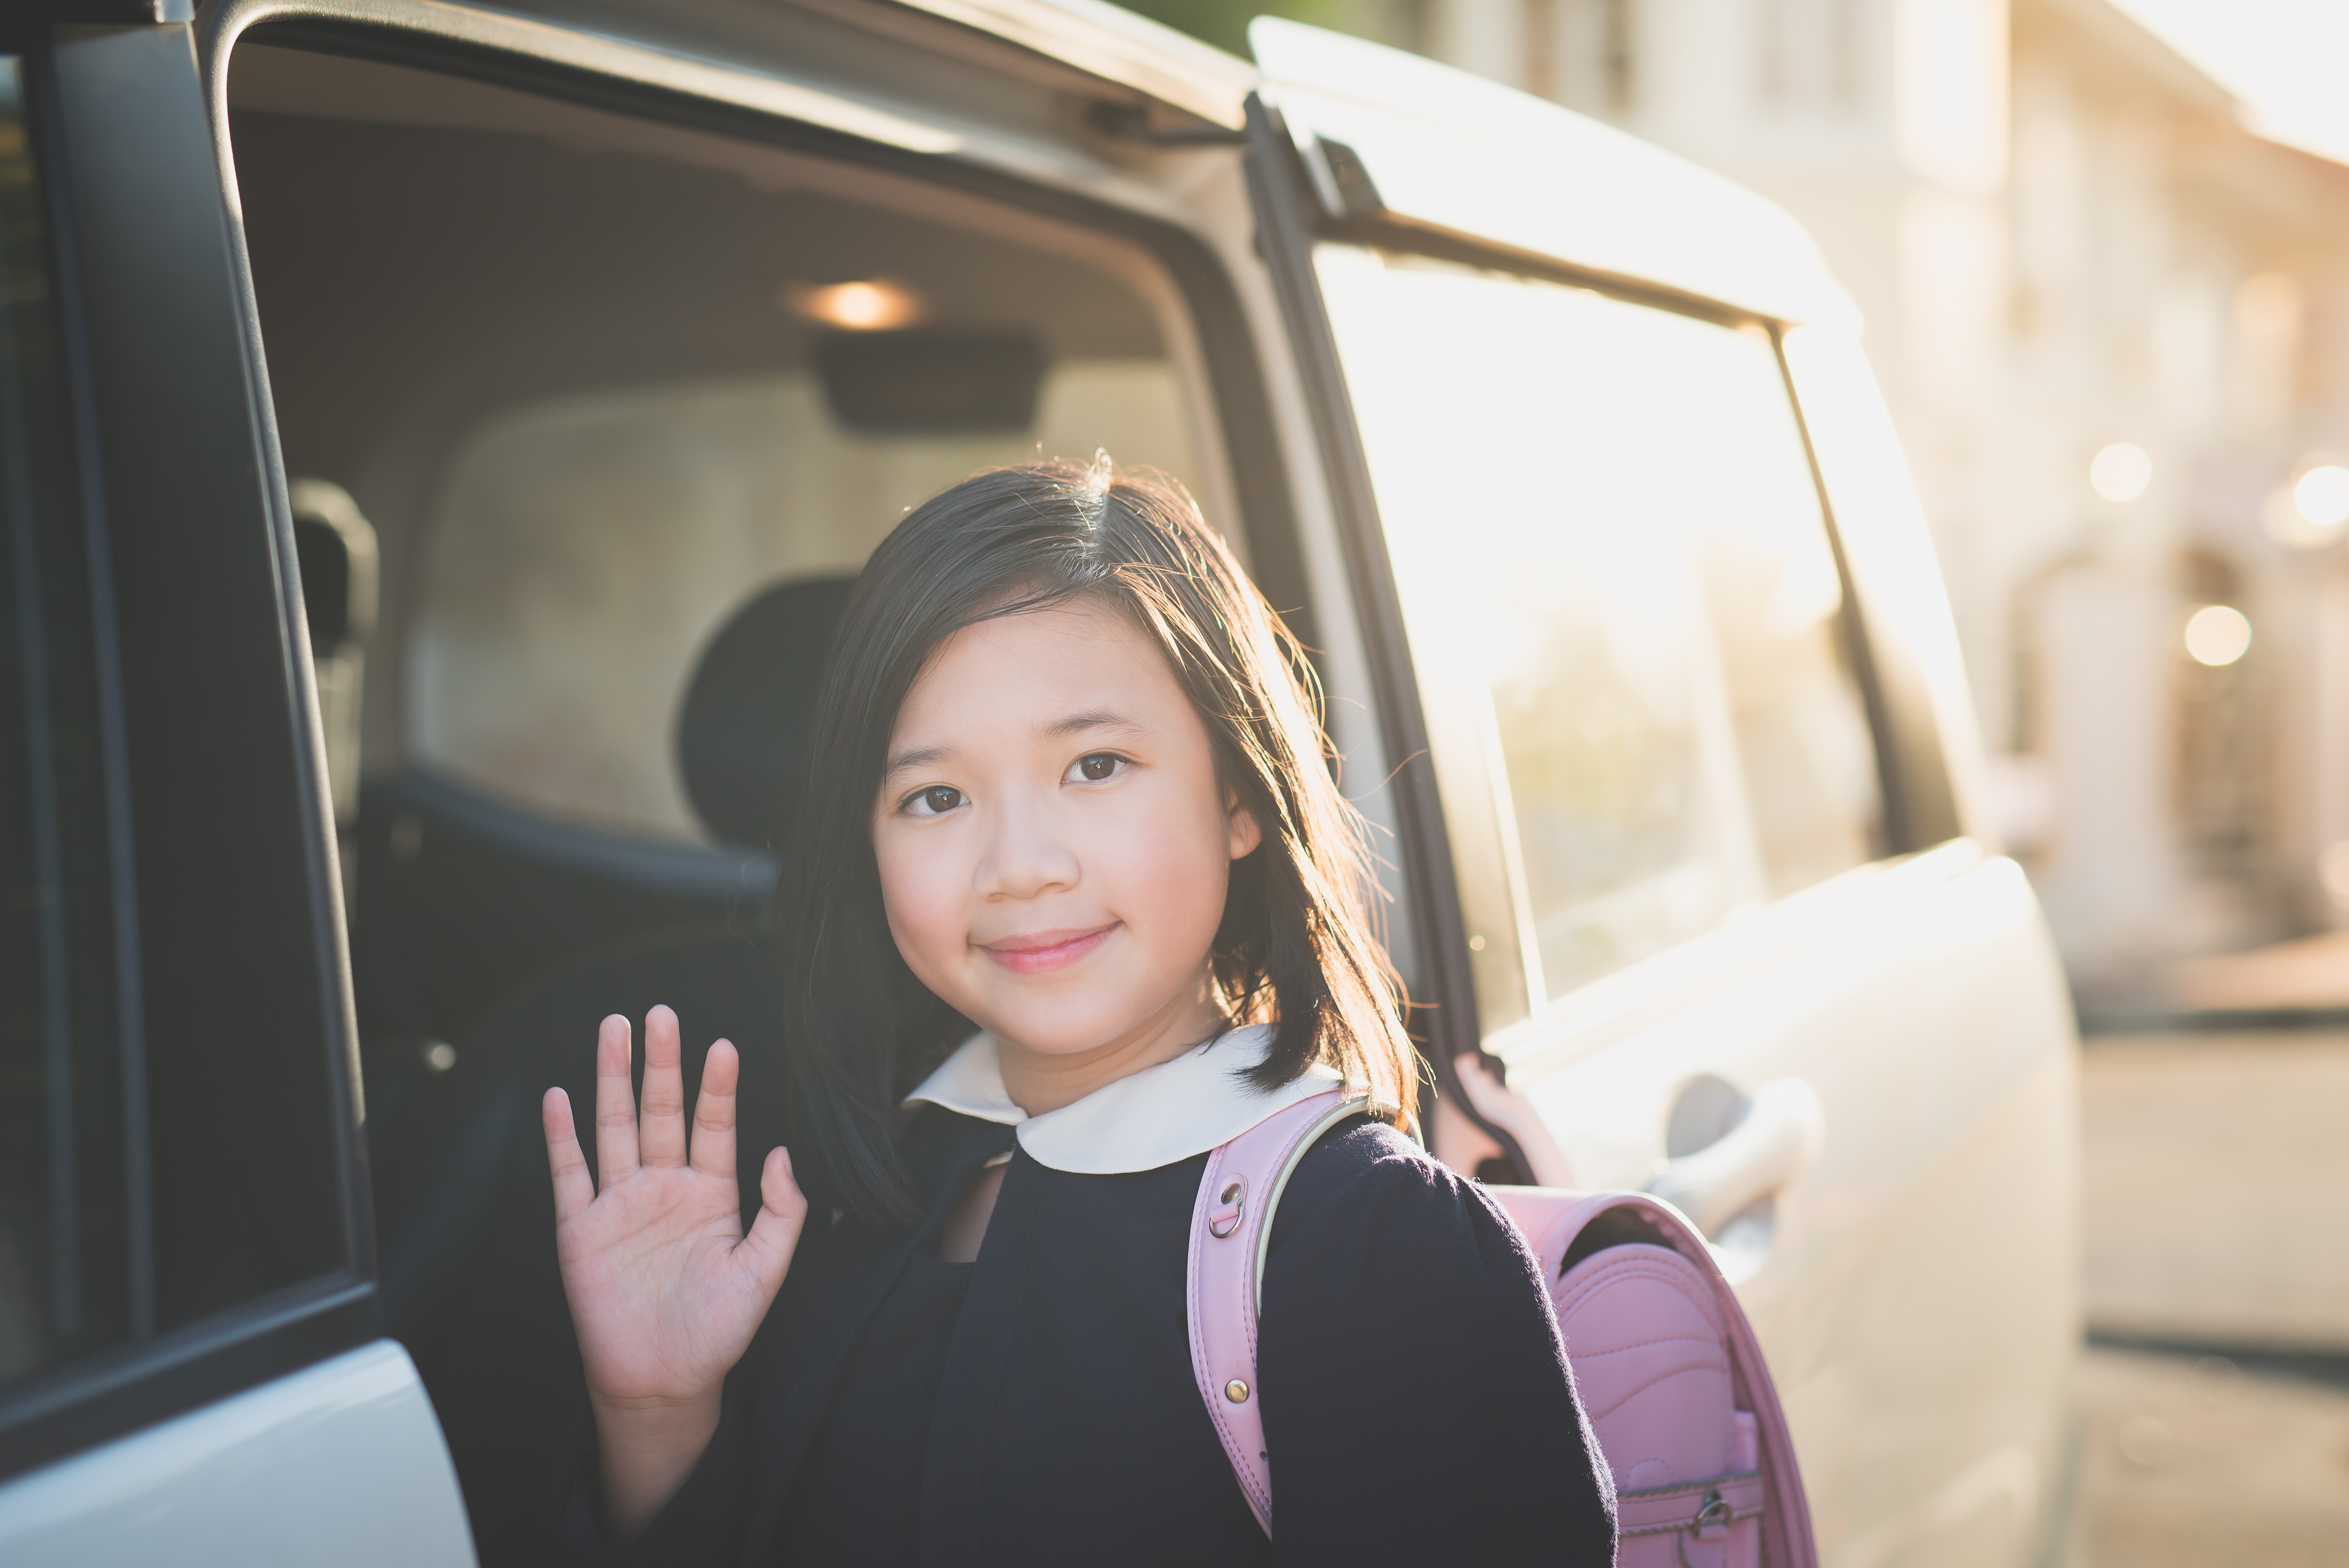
[(1054, 846)]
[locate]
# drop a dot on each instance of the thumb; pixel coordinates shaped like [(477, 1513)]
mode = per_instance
[(775, 1233)]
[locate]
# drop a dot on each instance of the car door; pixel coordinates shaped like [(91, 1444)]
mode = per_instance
[(565, 330), (1683, 810), (190, 1366)]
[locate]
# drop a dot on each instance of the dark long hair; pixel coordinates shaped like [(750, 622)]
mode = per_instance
[(1296, 948)]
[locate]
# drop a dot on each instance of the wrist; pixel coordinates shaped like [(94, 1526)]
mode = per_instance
[(649, 1447), (654, 1413)]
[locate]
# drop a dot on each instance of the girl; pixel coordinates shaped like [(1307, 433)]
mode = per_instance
[(1068, 786)]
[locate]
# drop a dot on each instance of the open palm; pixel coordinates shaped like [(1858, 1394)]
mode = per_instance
[(665, 1288)]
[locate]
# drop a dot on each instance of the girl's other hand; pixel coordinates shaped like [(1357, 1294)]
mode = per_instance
[(665, 1289)]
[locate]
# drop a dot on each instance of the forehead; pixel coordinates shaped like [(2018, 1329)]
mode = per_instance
[(1040, 666)]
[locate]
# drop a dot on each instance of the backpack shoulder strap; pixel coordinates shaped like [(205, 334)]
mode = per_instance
[(1231, 1229)]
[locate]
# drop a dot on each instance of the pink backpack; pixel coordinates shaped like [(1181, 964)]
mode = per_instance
[(1669, 1369)]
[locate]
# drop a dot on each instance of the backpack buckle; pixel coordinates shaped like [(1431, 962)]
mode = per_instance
[(1708, 1528)]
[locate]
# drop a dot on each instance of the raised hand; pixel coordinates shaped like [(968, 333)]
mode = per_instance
[(665, 1288)]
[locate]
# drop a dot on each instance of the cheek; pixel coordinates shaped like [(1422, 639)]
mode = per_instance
[(920, 892), (1172, 873)]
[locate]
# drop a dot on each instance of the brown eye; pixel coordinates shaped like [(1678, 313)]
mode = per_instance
[(1097, 767), (935, 801)]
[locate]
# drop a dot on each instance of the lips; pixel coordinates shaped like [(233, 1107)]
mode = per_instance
[(1042, 952)]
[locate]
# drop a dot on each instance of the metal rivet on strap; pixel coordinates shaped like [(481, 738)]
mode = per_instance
[(1236, 1391), (1234, 1196)]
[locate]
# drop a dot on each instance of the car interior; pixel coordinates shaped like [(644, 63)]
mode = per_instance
[(592, 421)]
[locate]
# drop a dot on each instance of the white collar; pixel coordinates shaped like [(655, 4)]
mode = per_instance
[(1147, 1119)]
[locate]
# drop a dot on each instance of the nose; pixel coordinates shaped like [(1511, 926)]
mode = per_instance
[(1025, 856)]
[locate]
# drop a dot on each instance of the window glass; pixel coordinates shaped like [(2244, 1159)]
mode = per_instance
[(557, 628), (63, 1239), (1625, 608)]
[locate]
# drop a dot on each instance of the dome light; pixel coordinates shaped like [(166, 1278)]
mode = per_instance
[(868, 304)]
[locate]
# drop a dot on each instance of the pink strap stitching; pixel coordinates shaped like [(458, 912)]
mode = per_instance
[(1224, 1267), (1257, 1488)]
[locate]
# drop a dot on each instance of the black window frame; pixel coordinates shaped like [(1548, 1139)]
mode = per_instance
[(138, 249), (63, 819)]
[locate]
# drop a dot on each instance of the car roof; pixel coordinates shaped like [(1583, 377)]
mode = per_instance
[(1086, 37), (1447, 150), (1119, 46), (1460, 155)]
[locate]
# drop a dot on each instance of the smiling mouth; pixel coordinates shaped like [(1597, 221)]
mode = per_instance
[(1041, 952)]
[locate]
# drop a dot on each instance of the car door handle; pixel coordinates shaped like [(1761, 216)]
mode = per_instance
[(1779, 1135)]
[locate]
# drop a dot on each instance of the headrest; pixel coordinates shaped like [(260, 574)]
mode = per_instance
[(742, 736)]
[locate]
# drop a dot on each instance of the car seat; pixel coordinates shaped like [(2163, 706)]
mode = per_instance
[(459, 897), (464, 1215)]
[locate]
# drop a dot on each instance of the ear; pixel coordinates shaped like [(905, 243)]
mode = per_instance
[(1242, 831)]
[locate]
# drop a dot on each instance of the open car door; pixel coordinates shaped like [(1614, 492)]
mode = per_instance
[(1696, 891), (192, 1362)]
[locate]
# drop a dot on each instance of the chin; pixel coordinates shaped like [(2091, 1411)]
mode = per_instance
[(1061, 1041), (1055, 1033)]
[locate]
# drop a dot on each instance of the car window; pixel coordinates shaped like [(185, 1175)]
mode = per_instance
[(64, 1236), (618, 408), (556, 627), (611, 383), (1625, 606)]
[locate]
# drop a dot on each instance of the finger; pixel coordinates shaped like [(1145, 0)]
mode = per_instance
[(775, 1233), (615, 1104), (660, 1137), (713, 1112), (573, 1189)]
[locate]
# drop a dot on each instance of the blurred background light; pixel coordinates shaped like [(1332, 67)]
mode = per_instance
[(2310, 511), (867, 305), (2218, 635), (2121, 471), (2322, 496)]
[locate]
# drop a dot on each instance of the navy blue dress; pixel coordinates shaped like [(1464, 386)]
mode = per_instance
[(1037, 1408)]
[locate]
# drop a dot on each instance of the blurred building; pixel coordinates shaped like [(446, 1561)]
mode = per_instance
[(2114, 326)]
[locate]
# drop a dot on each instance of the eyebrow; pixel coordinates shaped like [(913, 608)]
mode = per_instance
[(1076, 723), (906, 761)]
